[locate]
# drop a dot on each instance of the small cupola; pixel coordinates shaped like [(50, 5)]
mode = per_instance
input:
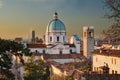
[(55, 15)]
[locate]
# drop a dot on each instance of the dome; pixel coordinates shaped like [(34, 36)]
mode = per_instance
[(76, 37), (56, 24)]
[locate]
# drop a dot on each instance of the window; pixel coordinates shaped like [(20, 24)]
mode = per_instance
[(115, 61), (50, 38), (112, 71), (90, 34), (112, 60), (70, 50), (84, 34), (57, 39), (60, 52), (36, 51), (63, 38), (43, 51), (95, 69), (100, 72), (115, 72), (96, 59)]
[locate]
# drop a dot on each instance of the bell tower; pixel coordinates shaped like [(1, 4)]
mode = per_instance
[(88, 41)]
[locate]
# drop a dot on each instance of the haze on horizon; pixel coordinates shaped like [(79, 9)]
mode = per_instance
[(19, 17)]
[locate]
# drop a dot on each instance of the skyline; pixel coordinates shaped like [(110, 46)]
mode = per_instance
[(19, 17)]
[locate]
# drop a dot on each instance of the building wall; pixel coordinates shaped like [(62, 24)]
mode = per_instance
[(62, 49), (54, 50), (101, 60), (39, 50), (76, 43)]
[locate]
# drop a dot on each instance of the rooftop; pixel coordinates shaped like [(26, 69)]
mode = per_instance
[(115, 53), (36, 45), (102, 77), (61, 56)]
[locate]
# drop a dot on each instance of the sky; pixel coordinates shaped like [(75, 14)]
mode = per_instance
[(19, 17)]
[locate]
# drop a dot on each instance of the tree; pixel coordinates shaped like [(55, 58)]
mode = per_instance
[(87, 67), (69, 77), (7, 49), (36, 70), (5, 67), (113, 32), (114, 9)]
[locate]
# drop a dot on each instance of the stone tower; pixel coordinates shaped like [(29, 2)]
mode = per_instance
[(33, 36), (88, 41)]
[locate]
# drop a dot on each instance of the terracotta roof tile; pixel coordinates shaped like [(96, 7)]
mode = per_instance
[(71, 45), (36, 45), (107, 52), (61, 56)]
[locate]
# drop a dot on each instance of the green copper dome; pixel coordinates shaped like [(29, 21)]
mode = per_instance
[(55, 25)]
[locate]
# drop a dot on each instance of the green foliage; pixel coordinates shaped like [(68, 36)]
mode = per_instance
[(26, 51), (5, 67), (56, 77), (87, 67), (13, 47), (69, 77), (7, 49), (36, 70)]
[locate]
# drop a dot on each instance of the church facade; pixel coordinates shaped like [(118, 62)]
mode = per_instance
[(55, 41)]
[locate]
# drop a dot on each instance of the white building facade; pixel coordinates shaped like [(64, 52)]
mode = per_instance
[(111, 58)]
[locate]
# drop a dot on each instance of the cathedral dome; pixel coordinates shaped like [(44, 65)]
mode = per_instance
[(56, 25)]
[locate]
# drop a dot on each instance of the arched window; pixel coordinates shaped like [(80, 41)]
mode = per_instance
[(57, 38), (70, 50), (91, 34), (60, 51), (85, 34), (43, 51), (36, 51), (63, 38), (115, 61), (115, 72), (50, 38), (112, 71)]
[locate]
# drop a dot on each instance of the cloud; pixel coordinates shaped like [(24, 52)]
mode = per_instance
[(1, 3)]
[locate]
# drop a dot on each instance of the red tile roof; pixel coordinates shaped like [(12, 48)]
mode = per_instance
[(71, 45), (107, 52), (61, 56), (36, 45)]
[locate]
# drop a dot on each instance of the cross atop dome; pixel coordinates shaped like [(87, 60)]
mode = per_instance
[(55, 15)]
